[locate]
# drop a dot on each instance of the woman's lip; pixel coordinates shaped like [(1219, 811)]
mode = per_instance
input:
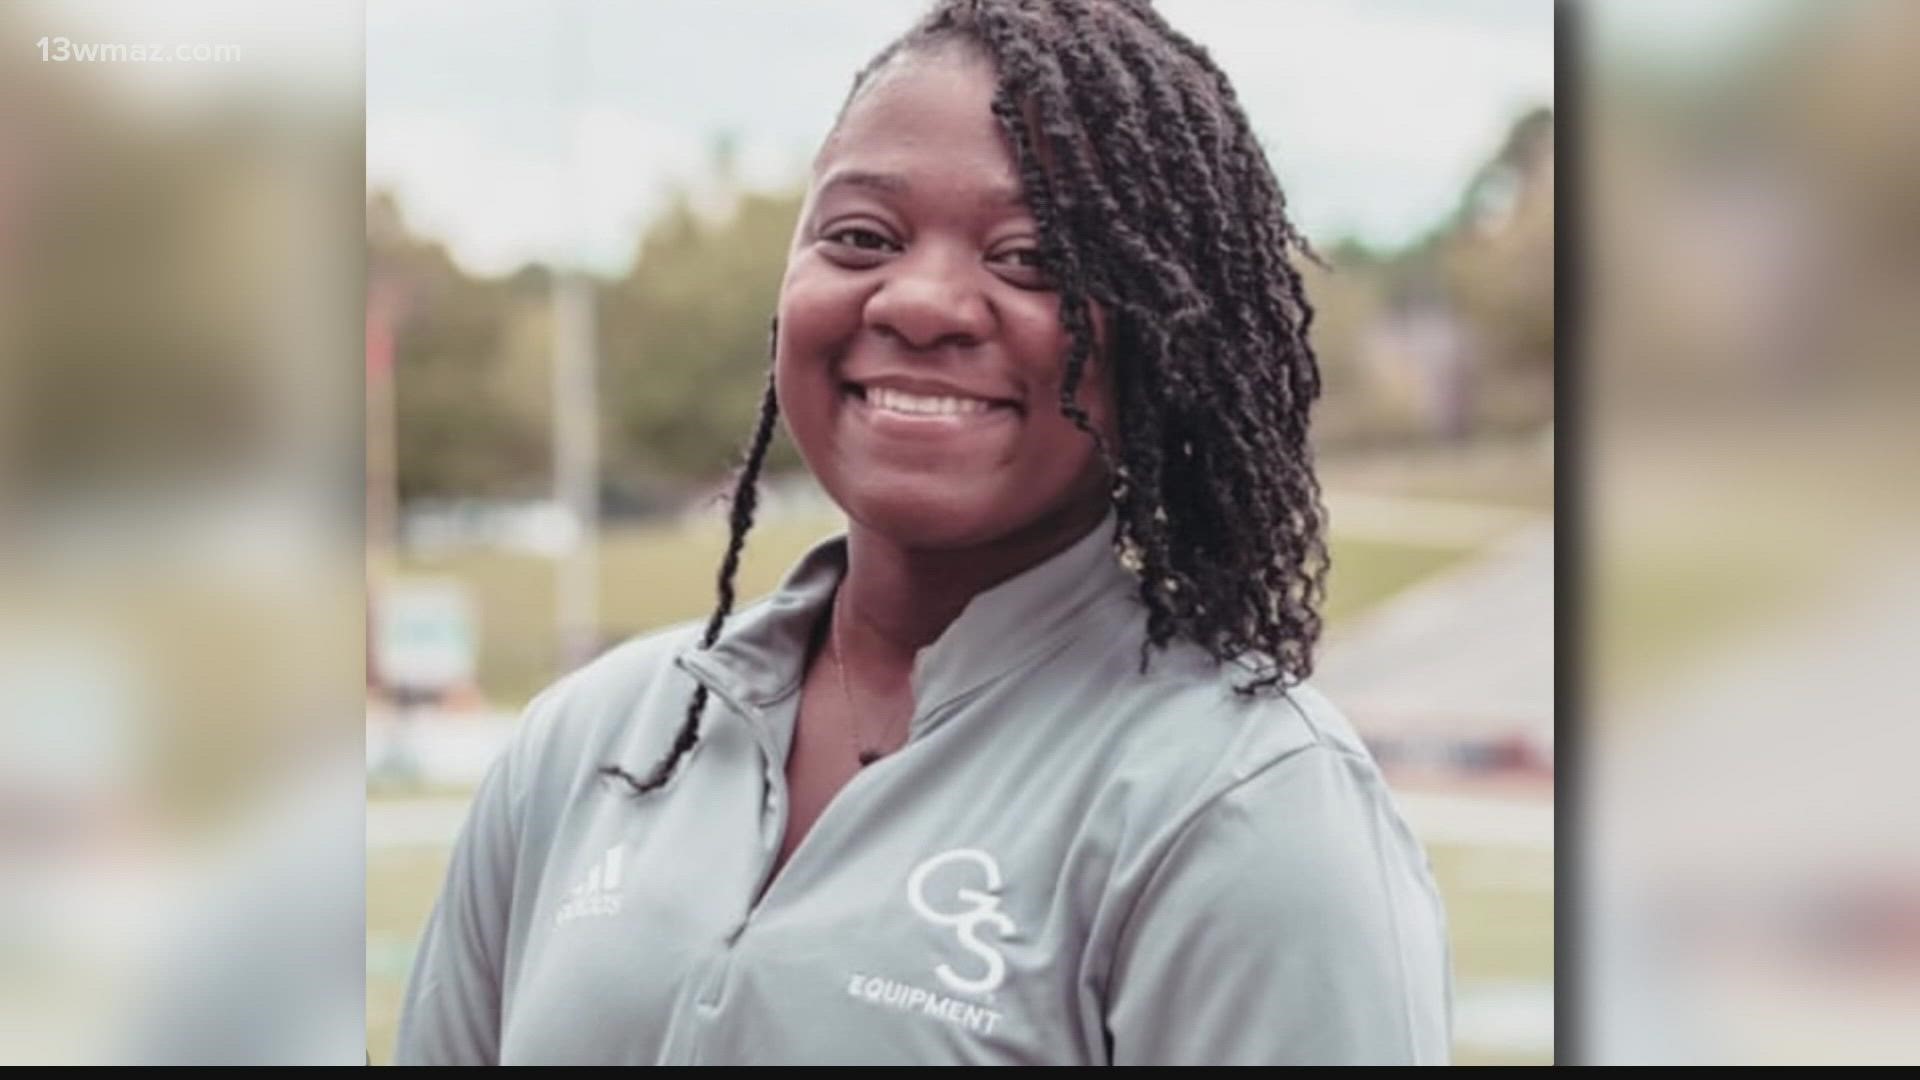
[(926, 388), (913, 423)]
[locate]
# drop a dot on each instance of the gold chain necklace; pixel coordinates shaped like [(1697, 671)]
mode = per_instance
[(865, 755)]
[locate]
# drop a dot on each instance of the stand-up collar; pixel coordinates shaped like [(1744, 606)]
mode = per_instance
[(761, 654)]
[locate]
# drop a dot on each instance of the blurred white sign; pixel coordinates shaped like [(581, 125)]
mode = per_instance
[(424, 637)]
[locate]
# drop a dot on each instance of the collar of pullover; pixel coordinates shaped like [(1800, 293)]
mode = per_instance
[(761, 653)]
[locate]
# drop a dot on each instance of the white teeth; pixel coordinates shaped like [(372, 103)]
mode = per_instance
[(882, 397)]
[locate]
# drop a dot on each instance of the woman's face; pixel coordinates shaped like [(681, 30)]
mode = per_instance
[(920, 351)]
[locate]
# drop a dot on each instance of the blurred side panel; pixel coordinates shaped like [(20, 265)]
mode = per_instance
[(1753, 838), (181, 612)]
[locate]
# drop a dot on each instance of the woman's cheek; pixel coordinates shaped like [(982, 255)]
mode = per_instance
[(813, 331)]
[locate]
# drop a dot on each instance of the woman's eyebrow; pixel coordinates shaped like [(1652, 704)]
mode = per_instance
[(885, 183), (995, 197)]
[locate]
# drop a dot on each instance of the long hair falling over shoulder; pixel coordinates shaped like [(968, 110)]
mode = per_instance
[(1154, 200), (744, 500)]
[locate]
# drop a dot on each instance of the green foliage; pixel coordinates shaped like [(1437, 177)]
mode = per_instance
[(470, 368), (1499, 258), (683, 340), (1488, 270), (683, 355)]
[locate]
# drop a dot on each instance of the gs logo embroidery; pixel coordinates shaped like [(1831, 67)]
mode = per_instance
[(980, 906)]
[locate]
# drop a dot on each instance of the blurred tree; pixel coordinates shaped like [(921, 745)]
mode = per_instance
[(1452, 332), (1457, 333), (1347, 299), (470, 362), (684, 340), (1499, 253)]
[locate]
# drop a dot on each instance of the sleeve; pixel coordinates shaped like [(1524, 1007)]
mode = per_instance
[(450, 1014), (1293, 921)]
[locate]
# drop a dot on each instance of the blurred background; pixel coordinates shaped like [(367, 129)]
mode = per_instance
[(1748, 878), (181, 783), (577, 219), (245, 327)]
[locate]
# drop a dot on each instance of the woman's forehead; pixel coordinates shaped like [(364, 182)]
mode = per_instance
[(910, 77), (918, 115)]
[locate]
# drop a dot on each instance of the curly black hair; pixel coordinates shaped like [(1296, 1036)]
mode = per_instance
[(1153, 199)]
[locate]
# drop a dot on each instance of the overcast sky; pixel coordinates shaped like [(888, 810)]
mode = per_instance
[(544, 129)]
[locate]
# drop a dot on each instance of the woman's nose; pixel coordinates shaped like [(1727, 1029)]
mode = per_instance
[(932, 297)]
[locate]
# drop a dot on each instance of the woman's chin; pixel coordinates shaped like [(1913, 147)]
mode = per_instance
[(925, 526), (927, 518), (924, 516)]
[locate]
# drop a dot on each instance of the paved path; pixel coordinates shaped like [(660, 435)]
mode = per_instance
[(1470, 650)]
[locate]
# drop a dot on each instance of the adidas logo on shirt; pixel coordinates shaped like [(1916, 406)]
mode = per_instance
[(599, 894)]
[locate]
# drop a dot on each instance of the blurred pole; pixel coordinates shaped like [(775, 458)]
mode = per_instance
[(576, 464), (576, 389)]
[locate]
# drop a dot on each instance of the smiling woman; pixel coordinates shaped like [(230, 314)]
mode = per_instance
[(920, 346), (1024, 768)]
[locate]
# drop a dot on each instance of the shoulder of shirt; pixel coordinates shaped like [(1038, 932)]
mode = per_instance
[(1282, 726), (1288, 738), (1191, 739), (1194, 703), (1272, 784)]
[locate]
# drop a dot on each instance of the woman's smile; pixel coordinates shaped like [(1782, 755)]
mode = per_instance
[(920, 350), (915, 408)]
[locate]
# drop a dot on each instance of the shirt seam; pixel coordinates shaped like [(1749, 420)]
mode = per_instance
[(1349, 759), (1047, 645), (775, 695), (1394, 907), (1163, 851)]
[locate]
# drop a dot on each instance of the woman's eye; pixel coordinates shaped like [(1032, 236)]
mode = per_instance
[(858, 238), (1024, 265)]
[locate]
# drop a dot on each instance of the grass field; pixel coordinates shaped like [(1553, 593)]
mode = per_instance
[(1500, 926), (401, 886)]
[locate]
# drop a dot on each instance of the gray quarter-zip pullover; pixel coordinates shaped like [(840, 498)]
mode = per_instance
[(1069, 862)]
